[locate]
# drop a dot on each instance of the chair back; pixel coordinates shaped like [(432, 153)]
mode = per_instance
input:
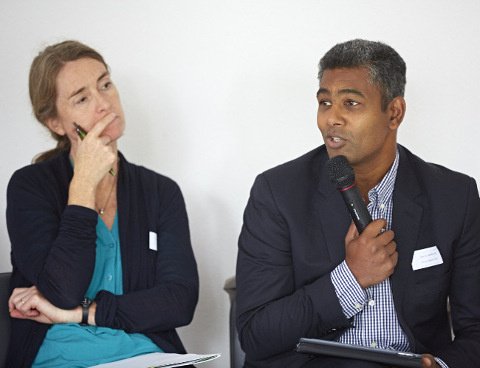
[(4, 316), (237, 355)]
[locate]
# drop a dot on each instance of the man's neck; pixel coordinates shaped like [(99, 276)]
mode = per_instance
[(367, 177)]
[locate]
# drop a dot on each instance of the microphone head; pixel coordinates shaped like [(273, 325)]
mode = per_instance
[(340, 172)]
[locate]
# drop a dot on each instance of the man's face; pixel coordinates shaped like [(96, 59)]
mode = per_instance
[(351, 119)]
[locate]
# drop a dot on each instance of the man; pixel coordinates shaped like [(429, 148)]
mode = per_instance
[(303, 270)]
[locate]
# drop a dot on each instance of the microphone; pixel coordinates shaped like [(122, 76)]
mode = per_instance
[(342, 175)]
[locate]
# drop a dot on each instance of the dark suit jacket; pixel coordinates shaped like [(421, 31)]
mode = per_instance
[(294, 235)]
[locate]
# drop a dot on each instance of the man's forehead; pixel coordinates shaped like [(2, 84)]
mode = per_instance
[(345, 79)]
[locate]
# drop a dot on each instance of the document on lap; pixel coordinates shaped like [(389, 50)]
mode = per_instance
[(157, 360), (337, 349)]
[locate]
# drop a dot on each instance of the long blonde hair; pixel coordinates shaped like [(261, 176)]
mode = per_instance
[(42, 85)]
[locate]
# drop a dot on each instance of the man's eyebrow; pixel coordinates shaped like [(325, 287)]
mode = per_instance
[(80, 90), (323, 91), (347, 91), (344, 91)]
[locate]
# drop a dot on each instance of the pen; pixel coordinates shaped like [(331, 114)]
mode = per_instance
[(81, 133)]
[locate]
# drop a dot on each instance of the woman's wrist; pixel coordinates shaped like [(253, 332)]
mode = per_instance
[(81, 194), (91, 314), (78, 315)]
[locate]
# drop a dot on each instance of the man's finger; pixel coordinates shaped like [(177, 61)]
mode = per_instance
[(374, 228), (352, 233)]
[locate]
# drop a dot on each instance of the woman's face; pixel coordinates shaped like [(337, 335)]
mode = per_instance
[(86, 94)]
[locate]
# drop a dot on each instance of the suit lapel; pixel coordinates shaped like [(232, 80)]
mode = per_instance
[(407, 216), (332, 215), (334, 218)]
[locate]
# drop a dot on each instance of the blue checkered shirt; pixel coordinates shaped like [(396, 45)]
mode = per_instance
[(375, 321)]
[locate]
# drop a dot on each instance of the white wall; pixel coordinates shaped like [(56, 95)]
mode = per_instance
[(216, 91)]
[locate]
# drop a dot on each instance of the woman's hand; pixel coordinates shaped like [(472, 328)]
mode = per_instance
[(93, 158), (29, 303)]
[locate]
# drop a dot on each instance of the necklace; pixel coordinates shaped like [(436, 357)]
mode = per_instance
[(102, 210)]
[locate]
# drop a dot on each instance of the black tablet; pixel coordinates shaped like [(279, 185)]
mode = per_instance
[(332, 348)]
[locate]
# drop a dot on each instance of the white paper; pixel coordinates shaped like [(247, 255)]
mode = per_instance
[(152, 240), (427, 257), (154, 360)]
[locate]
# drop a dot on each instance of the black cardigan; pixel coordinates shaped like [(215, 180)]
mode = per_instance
[(53, 247)]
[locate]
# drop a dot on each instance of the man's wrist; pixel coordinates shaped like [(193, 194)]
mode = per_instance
[(349, 292)]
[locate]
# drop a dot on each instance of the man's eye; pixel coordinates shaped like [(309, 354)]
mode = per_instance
[(351, 103), (324, 103), (106, 85)]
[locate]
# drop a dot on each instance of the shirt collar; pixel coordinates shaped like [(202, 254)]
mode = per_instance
[(383, 191)]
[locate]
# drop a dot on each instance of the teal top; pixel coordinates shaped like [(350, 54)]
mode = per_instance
[(72, 345)]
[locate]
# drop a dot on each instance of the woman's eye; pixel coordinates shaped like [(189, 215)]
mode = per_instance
[(106, 85), (81, 100)]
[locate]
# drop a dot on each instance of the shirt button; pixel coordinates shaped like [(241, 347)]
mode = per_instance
[(382, 206), (110, 277), (371, 303), (358, 305), (111, 245), (373, 344)]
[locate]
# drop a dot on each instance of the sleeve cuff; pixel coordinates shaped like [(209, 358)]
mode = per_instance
[(349, 292), (441, 363)]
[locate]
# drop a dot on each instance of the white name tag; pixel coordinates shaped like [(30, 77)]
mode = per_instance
[(427, 257), (152, 240)]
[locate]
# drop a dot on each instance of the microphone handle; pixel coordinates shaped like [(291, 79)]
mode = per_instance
[(356, 206)]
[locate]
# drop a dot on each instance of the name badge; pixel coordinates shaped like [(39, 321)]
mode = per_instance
[(152, 240), (428, 257)]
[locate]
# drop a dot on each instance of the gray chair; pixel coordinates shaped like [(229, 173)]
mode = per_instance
[(4, 316), (237, 355)]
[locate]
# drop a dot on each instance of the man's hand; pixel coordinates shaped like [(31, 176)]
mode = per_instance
[(29, 303), (371, 256), (428, 361)]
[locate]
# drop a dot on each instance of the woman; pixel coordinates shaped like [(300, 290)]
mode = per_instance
[(103, 268)]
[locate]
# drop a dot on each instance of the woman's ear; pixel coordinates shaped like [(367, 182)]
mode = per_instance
[(55, 126), (397, 109)]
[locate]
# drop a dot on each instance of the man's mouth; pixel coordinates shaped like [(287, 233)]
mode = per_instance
[(335, 142)]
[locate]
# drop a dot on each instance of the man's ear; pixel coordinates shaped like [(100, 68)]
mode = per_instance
[(396, 108), (55, 126)]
